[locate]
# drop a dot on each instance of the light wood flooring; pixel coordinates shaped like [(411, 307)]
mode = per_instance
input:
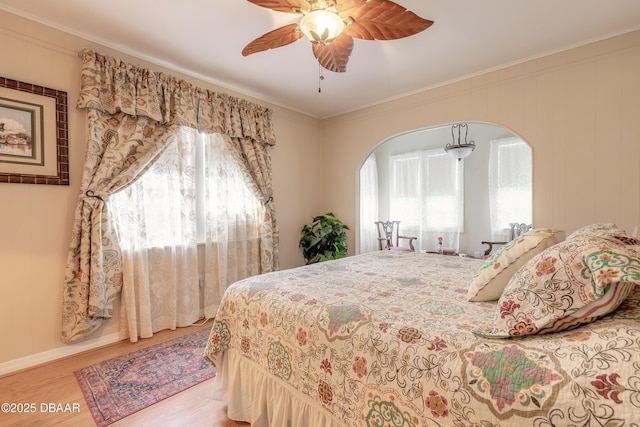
[(55, 382)]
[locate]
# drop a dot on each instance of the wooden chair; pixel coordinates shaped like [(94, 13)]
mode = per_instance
[(517, 230), (389, 237)]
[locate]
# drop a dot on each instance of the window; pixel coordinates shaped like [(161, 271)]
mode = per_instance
[(230, 211), (510, 195), (444, 190), (427, 193), (195, 184)]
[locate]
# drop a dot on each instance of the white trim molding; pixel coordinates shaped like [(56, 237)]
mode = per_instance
[(32, 360)]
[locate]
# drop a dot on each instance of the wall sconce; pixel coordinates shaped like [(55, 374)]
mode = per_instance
[(459, 150)]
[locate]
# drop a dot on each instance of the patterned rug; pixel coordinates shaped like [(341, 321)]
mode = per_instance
[(126, 384)]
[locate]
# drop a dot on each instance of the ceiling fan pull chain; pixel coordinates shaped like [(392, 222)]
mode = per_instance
[(320, 77)]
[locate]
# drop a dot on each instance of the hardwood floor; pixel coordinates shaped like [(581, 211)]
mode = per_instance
[(55, 383)]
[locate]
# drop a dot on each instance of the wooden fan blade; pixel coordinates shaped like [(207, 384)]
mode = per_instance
[(289, 6), (335, 55), (347, 7), (279, 37), (385, 20)]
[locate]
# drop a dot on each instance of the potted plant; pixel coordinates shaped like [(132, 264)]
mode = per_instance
[(325, 239)]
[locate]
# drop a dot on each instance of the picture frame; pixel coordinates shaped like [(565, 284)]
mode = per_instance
[(34, 134)]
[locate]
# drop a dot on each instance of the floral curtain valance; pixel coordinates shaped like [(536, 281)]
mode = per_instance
[(111, 85)]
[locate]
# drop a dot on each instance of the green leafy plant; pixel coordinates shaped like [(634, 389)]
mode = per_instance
[(325, 239)]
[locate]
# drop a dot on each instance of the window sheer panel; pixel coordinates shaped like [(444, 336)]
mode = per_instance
[(406, 188), (443, 199), (155, 220), (443, 192), (232, 223), (427, 197), (510, 187), (194, 194), (167, 193), (369, 205)]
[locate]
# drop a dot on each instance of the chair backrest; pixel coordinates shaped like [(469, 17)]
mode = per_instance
[(387, 234), (518, 230)]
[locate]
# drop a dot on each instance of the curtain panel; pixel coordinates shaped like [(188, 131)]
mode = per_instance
[(155, 221), (132, 114), (510, 196), (427, 196), (369, 205)]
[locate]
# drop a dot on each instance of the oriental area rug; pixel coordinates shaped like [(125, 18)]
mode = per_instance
[(126, 384)]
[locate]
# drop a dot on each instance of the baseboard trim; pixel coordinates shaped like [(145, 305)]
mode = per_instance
[(57, 353)]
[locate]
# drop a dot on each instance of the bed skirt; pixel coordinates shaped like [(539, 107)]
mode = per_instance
[(261, 399)]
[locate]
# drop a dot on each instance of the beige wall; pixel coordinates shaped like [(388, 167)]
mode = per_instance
[(578, 109), (35, 220)]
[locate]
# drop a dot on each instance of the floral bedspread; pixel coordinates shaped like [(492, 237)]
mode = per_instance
[(384, 339)]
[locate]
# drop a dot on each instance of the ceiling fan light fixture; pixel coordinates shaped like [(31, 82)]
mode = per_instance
[(331, 26), (321, 26)]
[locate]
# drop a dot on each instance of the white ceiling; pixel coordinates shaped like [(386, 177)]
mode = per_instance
[(204, 38)]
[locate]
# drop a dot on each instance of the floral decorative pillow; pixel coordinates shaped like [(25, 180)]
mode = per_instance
[(607, 231), (492, 277), (573, 282), (598, 229)]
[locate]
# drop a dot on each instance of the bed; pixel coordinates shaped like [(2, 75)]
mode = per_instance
[(385, 339)]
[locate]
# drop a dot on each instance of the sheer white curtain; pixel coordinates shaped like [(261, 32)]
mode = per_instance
[(510, 194), (369, 205), (155, 219), (443, 193), (194, 195), (405, 198), (427, 196), (231, 224)]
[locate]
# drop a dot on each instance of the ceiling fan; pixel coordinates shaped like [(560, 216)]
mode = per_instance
[(331, 25)]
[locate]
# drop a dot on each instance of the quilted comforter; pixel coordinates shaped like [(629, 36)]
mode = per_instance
[(384, 339)]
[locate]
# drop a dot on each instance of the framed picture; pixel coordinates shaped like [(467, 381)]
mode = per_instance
[(34, 145)]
